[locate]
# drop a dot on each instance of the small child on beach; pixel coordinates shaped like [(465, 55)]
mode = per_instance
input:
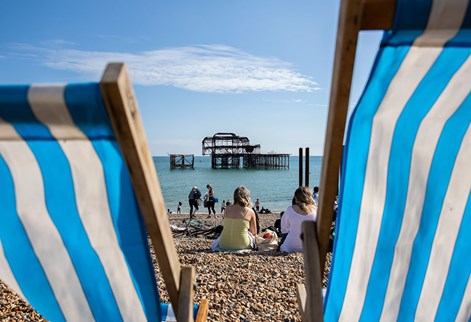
[(179, 208)]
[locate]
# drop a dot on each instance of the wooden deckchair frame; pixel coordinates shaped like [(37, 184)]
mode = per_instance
[(354, 16), (122, 108)]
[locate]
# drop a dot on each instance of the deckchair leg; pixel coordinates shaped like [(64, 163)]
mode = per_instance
[(185, 296), (301, 295), (312, 308), (202, 311)]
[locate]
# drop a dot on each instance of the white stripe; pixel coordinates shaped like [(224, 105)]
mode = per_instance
[(464, 313), (447, 231), (414, 67), (444, 21), (7, 275), (49, 107), (425, 143), (32, 211), (170, 314)]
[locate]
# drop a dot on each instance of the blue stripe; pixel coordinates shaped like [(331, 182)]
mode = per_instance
[(164, 311), (467, 22), (125, 212), (85, 104), (19, 252), (437, 185), (410, 20), (412, 14), (358, 141), (15, 109), (62, 208), (459, 272), (398, 173), (61, 205)]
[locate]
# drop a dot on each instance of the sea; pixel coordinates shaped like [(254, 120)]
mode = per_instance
[(274, 188)]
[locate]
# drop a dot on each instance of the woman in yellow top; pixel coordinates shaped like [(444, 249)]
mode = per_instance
[(238, 222)]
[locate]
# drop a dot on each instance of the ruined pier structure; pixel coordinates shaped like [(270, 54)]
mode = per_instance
[(182, 161), (227, 150)]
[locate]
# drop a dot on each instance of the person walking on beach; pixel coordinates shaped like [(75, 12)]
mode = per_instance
[(211, 200), (304, 208), (223, 207), (193, 197)]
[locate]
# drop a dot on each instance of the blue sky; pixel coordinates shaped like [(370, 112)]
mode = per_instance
[(258, 68)]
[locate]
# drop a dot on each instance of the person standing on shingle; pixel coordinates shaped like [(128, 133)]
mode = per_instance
[(211, 200), (193, 198)]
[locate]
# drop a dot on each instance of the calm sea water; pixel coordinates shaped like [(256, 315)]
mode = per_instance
[(274, 188)]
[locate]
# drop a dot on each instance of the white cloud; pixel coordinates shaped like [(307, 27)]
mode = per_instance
[(319, 105), (204, 68), (298, 101), (56, 43)]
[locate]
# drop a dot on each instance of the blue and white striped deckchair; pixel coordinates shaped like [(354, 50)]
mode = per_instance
[(73, 242), (403, 235)]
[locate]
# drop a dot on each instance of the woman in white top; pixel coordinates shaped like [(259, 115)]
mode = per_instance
[(303, 208)]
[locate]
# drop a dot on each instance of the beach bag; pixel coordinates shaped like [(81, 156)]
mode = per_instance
[(267, 240)]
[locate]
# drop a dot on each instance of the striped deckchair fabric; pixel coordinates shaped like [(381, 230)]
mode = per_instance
[(403, 248), (73, 242)]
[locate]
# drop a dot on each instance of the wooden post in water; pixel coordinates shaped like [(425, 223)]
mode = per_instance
[(306, 174), (300, 167)]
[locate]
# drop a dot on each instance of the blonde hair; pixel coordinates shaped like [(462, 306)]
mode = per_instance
[(242, 197), (304, 199)]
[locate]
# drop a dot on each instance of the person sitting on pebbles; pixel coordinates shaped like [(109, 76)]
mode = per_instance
[(303, 208), (239, 223)]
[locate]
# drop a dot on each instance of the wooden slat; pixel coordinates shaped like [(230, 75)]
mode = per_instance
[(202, 311), (347, 36), (301, 296), (313, 306), (185, 299), (354, 15), (122, 108), (378, 14)]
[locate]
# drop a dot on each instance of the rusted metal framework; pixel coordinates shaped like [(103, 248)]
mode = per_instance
[(226, 150), (228, 143), (182, 161), (224, 161), (266, 161)]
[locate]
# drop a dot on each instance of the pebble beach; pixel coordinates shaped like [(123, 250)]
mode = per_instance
[(257, 286)]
